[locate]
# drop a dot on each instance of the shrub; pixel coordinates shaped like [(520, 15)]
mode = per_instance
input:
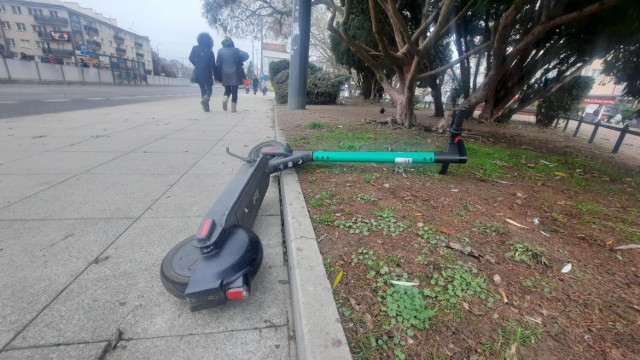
[(281, 86), (276, 67), (324, 88), (563, 101)]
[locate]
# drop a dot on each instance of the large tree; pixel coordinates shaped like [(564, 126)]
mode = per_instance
[(524, 41), (623, 63)]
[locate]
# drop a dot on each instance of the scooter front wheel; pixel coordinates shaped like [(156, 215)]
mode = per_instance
[(178, 265), (254, 153)]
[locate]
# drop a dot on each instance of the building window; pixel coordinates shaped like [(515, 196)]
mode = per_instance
[(25, 44), (16, 9), (56, 28), (12, 43), (110, 43), (38, 28), (2, 9), (33, 11), (59, 45), (6, 25), (53, 13), (595, 73), (41, 45), (21, 27)]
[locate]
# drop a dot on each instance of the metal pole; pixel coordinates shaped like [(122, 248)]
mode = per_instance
[(297, 98), (578, 126), (623, 132), (566, 123), (593, 134)]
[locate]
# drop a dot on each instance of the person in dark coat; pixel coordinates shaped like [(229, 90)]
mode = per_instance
[(255, 83), (230, 61), (204, 62)]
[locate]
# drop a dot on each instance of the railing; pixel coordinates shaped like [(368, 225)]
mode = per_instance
[(58, 52), (44, 35), (118, 39), (91, 30), (624, 130), (55, 20), (139, 54), (137, 44)]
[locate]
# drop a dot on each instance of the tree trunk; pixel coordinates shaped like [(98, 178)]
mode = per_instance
[(405, 114), (366, 86), (436, 94)]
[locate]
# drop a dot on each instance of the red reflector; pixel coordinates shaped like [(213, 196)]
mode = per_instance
[(204, 229), (237, 293)]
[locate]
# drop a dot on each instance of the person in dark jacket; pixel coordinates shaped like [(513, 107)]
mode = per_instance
[(230, 61), (204, 62), (255, 83)]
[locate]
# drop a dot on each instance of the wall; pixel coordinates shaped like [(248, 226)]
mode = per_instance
[(21, 70)]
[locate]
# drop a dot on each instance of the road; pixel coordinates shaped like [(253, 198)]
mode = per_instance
[(34, 99)]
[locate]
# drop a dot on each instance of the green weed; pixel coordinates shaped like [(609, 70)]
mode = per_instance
[(482, 227), (405, 305), (523, 252), (514, 332), (326, 219), (365, 198), (324, 198), (589, 207), (431, 235), (457, 282), (316, 125), (385, 222)]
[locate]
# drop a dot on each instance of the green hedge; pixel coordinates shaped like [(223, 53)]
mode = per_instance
[(322, 87)]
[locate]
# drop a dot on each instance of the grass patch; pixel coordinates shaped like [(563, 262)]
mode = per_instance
[(322, 199), (482, 227), (589, 207), (385, 222), (517, 333), (326, 219), (523, 252), (316, 125), (365, 198)]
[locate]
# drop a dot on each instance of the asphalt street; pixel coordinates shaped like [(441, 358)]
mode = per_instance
[(34, 99)]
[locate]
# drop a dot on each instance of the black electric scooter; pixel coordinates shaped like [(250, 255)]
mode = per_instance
[(219, 262)]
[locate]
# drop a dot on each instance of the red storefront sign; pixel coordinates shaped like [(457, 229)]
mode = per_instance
[(599, 101)]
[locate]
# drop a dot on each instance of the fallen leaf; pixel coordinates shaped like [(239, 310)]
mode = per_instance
[(626, 247), (497, 279), (337, 280), (515, 223), (354, 304), (560, 174), (404, 283)]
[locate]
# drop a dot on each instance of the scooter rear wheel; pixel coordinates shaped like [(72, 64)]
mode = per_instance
[(178, 265)]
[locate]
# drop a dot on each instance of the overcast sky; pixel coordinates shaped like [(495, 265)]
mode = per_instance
[(172, 26)]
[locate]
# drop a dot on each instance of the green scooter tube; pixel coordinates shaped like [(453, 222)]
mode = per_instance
[(377, 157)]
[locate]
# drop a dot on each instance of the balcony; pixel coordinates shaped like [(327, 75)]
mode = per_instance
[(51, 20), (139, 54), (59, 52), (44, 35), (118, 39), (121, 51), (92, 31), (94, 45), (137, 44)]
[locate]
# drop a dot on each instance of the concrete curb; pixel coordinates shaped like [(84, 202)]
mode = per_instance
[(319, 332)]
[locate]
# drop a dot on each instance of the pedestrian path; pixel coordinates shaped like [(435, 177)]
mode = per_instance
[(92, 200)]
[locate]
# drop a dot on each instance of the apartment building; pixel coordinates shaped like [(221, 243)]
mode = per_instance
[(66, 33)]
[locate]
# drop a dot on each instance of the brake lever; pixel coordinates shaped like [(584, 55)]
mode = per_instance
[(245, 159)]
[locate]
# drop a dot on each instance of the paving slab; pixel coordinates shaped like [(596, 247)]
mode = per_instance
[(42, 259), (14, 188), (112, 143), (192, 195), (169, 145), (124, 291), (147, 164), (93, 196), (58, 352), (57, 162), (248, 344)]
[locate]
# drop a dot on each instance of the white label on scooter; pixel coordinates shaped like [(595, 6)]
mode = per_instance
[(403, 160)]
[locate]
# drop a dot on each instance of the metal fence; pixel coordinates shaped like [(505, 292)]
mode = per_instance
[(623, 131), (30, 70)]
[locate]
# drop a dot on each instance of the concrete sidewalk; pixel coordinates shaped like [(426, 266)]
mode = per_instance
[(92, 200)]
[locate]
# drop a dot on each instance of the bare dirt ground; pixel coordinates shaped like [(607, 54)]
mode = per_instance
[(482, 287)]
